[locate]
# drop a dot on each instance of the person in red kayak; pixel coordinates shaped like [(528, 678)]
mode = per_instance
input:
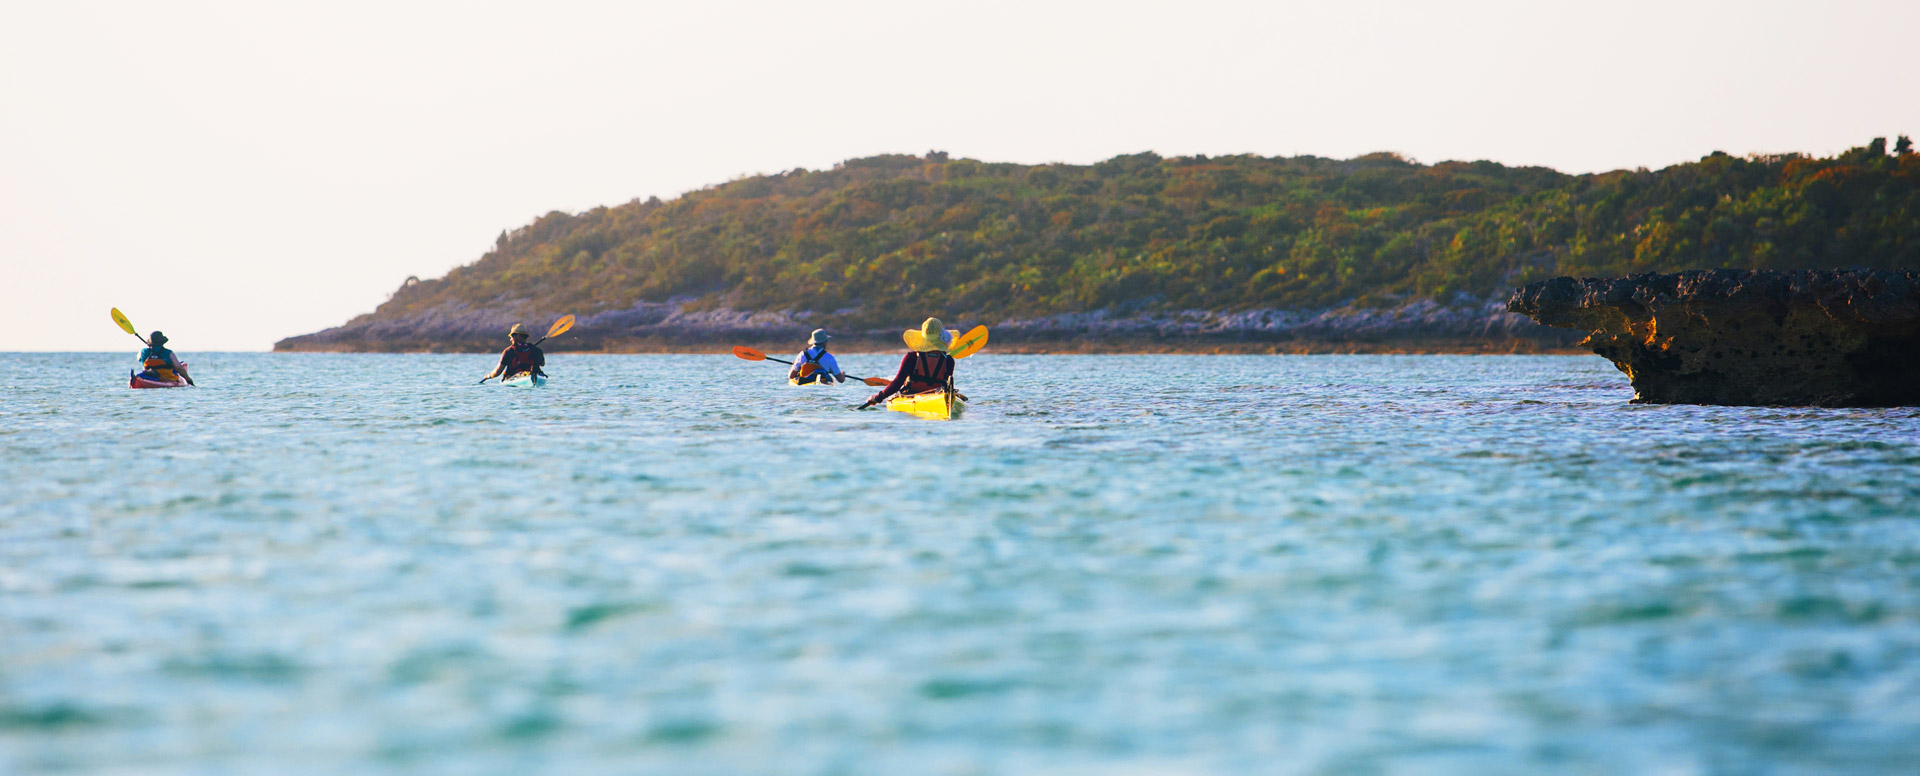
[(925, 367), (161, 364), (519, 357)]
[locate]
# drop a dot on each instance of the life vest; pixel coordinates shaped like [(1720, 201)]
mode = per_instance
[(160, 368), (930, 371), (519, 359), (819, 373)]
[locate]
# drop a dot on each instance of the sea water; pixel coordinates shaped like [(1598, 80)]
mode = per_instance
[(366, 564)]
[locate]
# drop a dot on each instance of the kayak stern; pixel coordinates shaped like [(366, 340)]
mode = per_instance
[(932, 405)]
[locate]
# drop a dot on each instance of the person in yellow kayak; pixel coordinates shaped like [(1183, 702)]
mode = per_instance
[(161, 364), (520, 356), (816, 354), (925, 367)]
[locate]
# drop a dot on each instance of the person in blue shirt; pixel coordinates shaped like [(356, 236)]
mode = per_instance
[(160, 363), (816, 354)]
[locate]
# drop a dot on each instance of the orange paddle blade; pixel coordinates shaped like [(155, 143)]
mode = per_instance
[(749, 354), (877, 382), (970, 343), (560, 327)]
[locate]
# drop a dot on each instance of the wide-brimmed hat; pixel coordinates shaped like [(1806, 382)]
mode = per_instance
[(517, 330), (819, 337), (157, 338), (931, 336)]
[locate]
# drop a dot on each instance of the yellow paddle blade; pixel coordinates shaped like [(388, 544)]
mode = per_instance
[(560, 327), (749, 354), (121, 318), (970, 343), (877, 382)]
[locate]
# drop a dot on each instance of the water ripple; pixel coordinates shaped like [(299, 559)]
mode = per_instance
[(1167, 564)]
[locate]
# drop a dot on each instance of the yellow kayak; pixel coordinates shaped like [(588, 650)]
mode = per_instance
[(932, 405), (796, 381)]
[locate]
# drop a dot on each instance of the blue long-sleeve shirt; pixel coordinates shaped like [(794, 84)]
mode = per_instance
[(817, 356)]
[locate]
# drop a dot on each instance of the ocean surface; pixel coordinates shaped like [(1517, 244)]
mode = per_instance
[(365, 564)]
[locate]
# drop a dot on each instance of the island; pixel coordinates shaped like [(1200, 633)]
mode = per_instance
[(1141, 253)]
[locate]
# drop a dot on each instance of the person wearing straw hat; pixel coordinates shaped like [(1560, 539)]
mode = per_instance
[(520, 356), (160, 363), (817, 355), (926, 366)]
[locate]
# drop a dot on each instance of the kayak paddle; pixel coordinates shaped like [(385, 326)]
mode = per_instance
[(127, 326), (970, 343), (807, 370), (559, 327), (754, 355)]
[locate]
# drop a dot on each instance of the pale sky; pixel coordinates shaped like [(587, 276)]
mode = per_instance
[(234, 173)]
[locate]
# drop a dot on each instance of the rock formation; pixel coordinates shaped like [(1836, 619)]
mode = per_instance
[(1465, 324), (1828, 338)]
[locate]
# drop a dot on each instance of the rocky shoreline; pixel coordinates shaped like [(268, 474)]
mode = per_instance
[(1467, 325), (1827, 338)]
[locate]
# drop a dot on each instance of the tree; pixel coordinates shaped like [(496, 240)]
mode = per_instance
[(1903, 146)]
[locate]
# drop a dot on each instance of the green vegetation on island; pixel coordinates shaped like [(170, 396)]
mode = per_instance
[(890, 238)]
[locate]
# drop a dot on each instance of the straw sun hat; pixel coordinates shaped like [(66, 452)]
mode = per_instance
[(518, 329), (932, 336), (820, 337)]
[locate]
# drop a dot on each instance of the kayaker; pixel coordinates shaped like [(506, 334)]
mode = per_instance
[(519, 356), (816, 354), (925, 367), (161, 364)]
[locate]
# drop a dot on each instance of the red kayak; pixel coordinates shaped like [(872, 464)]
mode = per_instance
[(134, 380)]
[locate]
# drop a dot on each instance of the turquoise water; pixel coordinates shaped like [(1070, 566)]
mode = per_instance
[(324, 564)]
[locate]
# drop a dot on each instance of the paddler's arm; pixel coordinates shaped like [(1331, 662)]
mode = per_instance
[(899, 381), (179, 368), (500, 367)]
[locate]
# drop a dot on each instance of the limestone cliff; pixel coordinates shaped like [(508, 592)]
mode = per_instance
[(1829, 338)]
